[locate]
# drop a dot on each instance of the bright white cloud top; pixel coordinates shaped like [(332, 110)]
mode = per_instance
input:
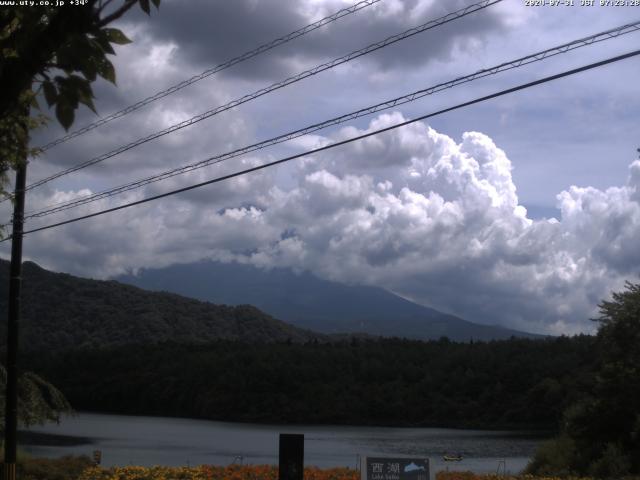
[(411, 210)]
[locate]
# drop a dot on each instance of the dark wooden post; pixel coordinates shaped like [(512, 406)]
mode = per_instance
[(15, 284), (291, 456)]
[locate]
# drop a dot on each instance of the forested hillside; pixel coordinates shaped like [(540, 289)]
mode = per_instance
[(60, 311), (514, 383)]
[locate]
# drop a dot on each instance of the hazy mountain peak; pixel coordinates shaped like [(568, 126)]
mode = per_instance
[(307, 301)]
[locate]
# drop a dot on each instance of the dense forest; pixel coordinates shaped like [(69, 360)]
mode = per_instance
[(504, 384)]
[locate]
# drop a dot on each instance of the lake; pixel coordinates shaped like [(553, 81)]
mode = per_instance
[(136, 440)]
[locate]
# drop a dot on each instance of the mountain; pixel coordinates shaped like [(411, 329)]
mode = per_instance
[(60, 311), (309, 302)]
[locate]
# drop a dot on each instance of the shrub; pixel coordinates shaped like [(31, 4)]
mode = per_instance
[(612, 464), (554, 457), (64, 468)]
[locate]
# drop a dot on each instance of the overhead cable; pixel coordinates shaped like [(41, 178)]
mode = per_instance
[(342, 142), (207, 73), (263, 91), (535, 57)]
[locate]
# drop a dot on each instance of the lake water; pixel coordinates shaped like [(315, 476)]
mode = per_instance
[(134, 440)]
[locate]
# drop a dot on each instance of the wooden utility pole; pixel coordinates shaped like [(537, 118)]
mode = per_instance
[(15, 284)]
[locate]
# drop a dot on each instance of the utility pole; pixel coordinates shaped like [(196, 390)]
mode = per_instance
[(15, 284)]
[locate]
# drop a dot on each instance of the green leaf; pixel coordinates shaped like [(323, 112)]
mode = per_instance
[(9, 53), (69, 89), (90, 53), (106, 70), (144, 5), (116, 36), (85, 94), (65, 114), (78, 83), (103, 41), (88, 101), (50, 92), (89, 69), (64, 57)]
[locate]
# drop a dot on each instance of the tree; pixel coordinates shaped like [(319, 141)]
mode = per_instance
[(39, 401), (601, 433), (56, 51), (615, 411)]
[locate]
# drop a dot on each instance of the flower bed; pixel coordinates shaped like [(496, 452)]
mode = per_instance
[(210, 472)]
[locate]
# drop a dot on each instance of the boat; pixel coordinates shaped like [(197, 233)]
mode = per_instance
[(452, 458)]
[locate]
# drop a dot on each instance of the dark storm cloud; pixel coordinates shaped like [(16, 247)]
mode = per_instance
[(209, 33)]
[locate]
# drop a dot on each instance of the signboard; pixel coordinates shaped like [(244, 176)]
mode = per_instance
[(394, 468)]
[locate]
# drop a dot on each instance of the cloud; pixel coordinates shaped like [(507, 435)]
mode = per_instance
[(210, 33), (411, 210), (433, 217)]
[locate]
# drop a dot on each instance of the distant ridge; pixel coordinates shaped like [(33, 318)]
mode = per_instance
[(309, 302), (60, 311)]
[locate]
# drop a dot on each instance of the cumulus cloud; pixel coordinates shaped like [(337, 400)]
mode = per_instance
[(413, 210), (436, 218)]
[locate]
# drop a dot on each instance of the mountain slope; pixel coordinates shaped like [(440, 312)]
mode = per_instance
[(61, 311), (309, 302)]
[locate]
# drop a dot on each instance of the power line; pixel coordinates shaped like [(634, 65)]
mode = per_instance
[(275, 86), (343, 142), (535, 57), (207, 73)]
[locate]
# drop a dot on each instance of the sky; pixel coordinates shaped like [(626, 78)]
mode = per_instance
[(520, 211)]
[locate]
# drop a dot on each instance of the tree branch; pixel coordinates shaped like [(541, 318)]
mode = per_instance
[(104, 5), (117, 14)]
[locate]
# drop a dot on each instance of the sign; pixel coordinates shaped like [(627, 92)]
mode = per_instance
[(291, 464), (394, 468)]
